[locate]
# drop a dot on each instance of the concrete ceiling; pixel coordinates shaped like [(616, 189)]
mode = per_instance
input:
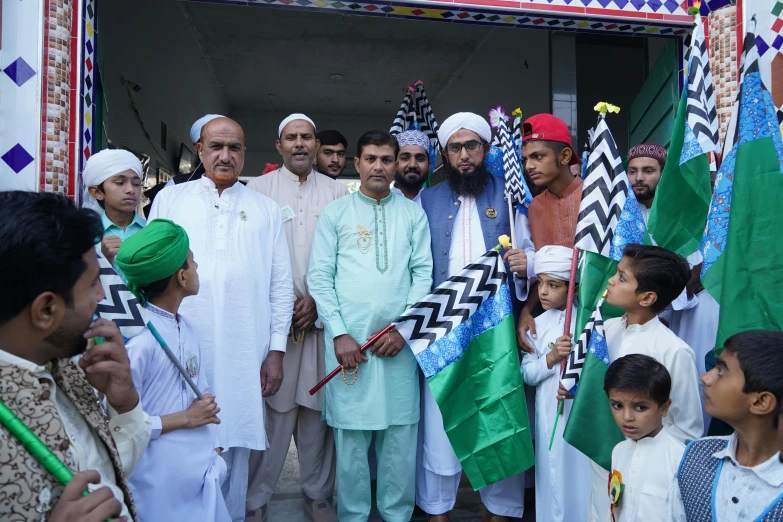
[(263, 58)]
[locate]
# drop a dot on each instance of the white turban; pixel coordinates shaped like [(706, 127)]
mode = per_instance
[(103, 165), (195, 130), (464, 120), (293, 117), (554, 261)]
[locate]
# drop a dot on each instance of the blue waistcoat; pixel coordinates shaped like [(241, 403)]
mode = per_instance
[(441, 204), (698, 481)]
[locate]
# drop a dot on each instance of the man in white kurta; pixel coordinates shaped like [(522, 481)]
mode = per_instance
[(243, 309), (302, 194), (467, 214), (370, 261)]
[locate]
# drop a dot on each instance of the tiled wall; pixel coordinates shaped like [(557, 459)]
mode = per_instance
[(723, 62), (20, 96)]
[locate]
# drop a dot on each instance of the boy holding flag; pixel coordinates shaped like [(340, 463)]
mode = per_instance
[(180, 475)]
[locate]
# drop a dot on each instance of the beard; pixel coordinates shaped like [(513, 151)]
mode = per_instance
[(401, 181), (69, 339), (471, 184), (647, 195)]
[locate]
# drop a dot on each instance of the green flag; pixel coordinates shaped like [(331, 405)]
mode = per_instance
[(682, 199), (743, 253)]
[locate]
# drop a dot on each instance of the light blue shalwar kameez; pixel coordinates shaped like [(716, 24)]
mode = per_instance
[(370, 261)]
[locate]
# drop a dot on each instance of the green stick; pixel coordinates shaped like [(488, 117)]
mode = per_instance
[(554, 430)]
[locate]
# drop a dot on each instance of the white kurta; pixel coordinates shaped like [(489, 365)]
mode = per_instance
[(648, 467), (180, 474), (246, 300), (562, 473)]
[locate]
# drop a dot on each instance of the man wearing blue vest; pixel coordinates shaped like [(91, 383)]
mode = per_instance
[(467, 214)]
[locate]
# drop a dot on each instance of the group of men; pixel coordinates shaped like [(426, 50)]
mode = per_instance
[(296, 274)]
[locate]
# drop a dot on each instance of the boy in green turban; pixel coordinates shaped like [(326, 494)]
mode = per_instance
[(180, 475)]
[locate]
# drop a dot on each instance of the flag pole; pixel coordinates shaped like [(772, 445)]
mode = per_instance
[(511, 221), (337, 370)]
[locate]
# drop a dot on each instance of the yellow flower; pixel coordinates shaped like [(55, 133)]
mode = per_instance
[(505, 241), (604, 107), (517, 113)]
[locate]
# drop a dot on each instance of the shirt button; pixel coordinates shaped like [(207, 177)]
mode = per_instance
[(451, 217), (445, 253), (64, 445), (380, 244), (735, 500), (442, 271), (45, 395), (448, 234), (563, 219), (455, 203), (117, 429)]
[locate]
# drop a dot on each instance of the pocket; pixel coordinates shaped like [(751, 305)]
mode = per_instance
[(652, 503)]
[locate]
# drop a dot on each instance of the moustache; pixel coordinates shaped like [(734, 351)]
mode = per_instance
[(412, 169)]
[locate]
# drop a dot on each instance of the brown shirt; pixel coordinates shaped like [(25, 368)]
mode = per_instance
[(553, 219)]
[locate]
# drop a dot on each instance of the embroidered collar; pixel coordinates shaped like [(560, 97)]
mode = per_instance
[(373, 201), (770, 471), (160, 312)]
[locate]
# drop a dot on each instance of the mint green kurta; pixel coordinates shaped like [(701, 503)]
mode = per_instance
[(369, 262)]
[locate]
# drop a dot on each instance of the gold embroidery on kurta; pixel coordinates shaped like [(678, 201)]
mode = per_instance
[(363, 239)]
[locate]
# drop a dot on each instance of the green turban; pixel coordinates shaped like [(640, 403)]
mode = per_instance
[(155, 252)]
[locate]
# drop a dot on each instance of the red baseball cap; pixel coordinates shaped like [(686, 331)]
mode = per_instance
[(546, 127)]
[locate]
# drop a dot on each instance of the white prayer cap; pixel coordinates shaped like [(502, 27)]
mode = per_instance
[(554, 261), (414, 137), (293, 117), (464, 120), (195, 130), (105, 164)]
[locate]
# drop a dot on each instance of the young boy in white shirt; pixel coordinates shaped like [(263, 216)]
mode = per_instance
[(648, 278), (645, 463), (563, 464), (739, 477), (180, 475)]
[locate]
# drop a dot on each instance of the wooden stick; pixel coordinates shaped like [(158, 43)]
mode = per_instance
[(511, 222), (337, 370), (569, 308)]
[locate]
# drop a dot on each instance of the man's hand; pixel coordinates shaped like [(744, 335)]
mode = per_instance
[(109, 247), (388, 345), (526, 322), (98, 506), (517, 261), (107, 366), (272, 373), (562, 393), (305, 314), (560, 351), (202, 412), (348, 352)]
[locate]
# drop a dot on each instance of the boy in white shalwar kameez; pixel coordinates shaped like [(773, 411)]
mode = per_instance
[(562, 474), (180, 474)]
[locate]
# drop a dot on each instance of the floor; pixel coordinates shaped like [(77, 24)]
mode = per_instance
[(287, 502)]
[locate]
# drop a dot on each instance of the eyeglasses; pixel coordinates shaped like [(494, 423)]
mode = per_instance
[(471, 146)]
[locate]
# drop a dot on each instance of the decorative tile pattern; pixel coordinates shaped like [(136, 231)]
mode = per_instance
[(19, 71), (87, 77), (17, 158), (56, 96), (777, 26), (20, 102), (723, 62)]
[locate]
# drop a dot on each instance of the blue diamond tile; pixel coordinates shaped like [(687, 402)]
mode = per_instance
[(19, 71), (622, 3), (89, 46), (87, 136), (17, 158), (671, 5), (655, 5), (604, 3), (638, 4)]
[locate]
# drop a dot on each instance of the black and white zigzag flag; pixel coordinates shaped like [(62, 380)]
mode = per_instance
[(749, 64), (451, 303), (514, 189), (119, 304), (702, 117), (576, 361), (416, 112), (406, 115), (425, 116), (603, 195)]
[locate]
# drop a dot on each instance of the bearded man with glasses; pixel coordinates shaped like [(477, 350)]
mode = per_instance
[(467, 214)]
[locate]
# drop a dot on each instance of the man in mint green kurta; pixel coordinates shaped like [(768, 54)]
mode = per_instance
[(370, 261)]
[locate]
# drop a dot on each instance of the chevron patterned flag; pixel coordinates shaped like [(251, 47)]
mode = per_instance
[(425, 116), (406, 115), (608, 220), (743, 259), (463, 337), (119, 304), (516, 188), (682, 198)]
